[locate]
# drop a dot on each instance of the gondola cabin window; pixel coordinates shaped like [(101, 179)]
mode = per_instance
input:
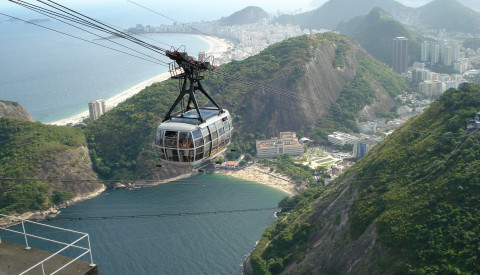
[(183, 142)]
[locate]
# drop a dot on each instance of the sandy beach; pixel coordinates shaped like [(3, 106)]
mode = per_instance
[(218, 46), (263, 175)]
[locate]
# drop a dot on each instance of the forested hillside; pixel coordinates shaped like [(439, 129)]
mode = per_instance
[(409, 206), (291, 86), (33, 150)]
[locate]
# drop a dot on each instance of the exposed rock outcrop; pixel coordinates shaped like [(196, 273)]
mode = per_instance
[(74, 167), (14, 110), (301, 104)]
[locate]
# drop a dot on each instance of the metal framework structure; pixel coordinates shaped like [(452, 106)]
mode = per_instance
[(74, 244), (188, 71)]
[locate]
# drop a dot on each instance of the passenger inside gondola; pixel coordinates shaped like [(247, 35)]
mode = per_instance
[(171, 139), (185, 140)]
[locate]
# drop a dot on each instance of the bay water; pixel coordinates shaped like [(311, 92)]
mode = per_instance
[(54, 76), (186, 244)]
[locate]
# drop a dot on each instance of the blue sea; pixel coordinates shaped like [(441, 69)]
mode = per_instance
[(192, 244), (54, 76)]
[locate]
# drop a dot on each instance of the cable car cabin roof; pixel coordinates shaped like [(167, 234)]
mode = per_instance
[(190, 122)]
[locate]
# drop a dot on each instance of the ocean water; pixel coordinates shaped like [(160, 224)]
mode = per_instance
[(197, 244), (54, 76)]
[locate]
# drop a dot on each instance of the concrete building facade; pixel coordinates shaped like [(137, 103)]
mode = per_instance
[(96, 109), (340, 139), (400, 55), (287, 144)]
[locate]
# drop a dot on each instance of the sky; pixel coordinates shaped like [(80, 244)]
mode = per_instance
[(127, 14), (115, 11), (205, 7), (190, 6)]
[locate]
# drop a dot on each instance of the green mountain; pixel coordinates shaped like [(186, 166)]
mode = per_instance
[(410, 206), (451, 16), (315, 83), (376, 31), (30, 150), (248, 15), (330, 14)]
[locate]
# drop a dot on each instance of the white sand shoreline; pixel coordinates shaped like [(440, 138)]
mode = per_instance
[(218, 46), (263, 175)]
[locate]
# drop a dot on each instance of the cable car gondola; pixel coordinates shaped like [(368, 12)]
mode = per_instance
[(195, 134)]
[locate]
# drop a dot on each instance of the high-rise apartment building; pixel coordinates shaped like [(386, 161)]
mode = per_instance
[(435, 53), (400, 55), (446, 54), (425, 55), (96, 108)]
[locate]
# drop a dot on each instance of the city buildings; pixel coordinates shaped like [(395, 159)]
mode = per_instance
[(340, 139), (287, 143), (363, 146), (400, 55), (96, 108)]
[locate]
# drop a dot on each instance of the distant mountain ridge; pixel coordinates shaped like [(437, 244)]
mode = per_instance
[(248, 15), (438, 14), (330, 14), (450, 15), (376, 31)]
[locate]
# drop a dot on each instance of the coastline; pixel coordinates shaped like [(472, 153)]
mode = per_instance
[(263, 175), (55, 210), (218, 46), (52, 211)]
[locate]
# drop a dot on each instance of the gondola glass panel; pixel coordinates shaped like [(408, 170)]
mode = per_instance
[(213, 131), (207, 148), (171, 139), (159, 138), (199, 153), (206, 135)]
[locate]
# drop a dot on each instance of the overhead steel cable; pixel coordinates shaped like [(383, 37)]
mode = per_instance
[(433, 165), (118, 33), (160, 215), (76, 17), (83, 39), (105, 27), (169, 18), (54, 16)]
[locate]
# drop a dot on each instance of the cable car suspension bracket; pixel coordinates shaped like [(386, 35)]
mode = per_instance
[(189, 72)]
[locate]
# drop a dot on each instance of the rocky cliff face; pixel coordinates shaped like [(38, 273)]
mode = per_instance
[(74, 167), (283, 106), (14, 110)]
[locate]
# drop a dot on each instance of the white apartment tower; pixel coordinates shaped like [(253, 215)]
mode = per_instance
[(425, 55), (435, 53), (96, 108), (447, 53)]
